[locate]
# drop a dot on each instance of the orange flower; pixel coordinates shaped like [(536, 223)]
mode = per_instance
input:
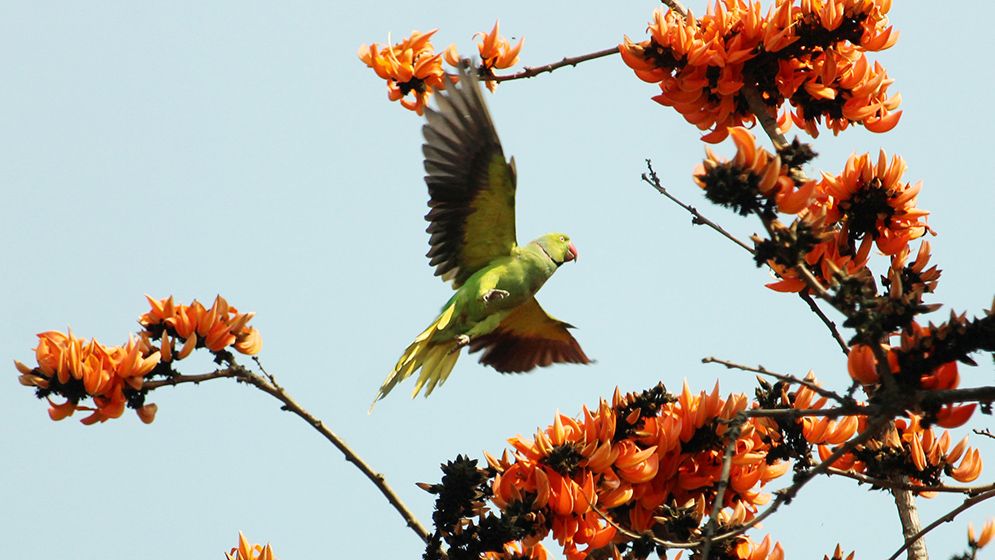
[(838, 555), (916, 274), (411, 68), (517, 551), (986, 534), (743, 548), (246, 551), (862, 365), (495, 52)]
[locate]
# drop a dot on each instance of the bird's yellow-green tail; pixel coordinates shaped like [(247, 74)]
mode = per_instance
[(435, 358)]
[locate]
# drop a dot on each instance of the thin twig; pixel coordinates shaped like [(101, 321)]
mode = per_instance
[(944, 519), (271, 387), (883, 483), (376, 478), (654, 181), (780, 376), (985, 432), (531, 71), (797, 413), (807, 298), (233, 371)]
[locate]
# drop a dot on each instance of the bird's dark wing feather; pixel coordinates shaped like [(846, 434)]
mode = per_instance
[(470, 185), (526, 338)]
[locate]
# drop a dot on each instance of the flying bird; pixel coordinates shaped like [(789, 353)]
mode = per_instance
[(473, 244)]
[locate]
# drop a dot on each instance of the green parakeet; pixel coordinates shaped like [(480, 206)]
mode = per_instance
[(472, 225)]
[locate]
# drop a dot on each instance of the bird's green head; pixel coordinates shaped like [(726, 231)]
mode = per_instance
[(558, 246)]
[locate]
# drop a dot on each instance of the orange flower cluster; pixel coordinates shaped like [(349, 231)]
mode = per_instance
[(411, 68), (633, 460), (114, 376), (925, 457), (810, 53), (73, 368), (246, 551), (193, 325)]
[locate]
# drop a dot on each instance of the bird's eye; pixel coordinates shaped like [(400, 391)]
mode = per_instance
[(562, 238)]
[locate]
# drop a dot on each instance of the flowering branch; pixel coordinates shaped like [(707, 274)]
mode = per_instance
[(653, 180)]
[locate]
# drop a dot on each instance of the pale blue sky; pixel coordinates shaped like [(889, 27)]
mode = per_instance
[(195, 148)]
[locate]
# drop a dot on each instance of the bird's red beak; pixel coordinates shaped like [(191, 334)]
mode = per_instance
[(572, 253)]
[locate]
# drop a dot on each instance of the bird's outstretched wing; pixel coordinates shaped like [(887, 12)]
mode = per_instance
[(526, 338), (470, 184)]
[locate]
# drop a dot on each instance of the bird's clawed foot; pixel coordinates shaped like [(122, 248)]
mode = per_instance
[(495, 294), (461, 341)]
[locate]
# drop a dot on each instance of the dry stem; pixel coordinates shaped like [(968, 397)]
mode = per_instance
[(949, 516), (269, 386), (779, 376), (699, 219), (531, 71)]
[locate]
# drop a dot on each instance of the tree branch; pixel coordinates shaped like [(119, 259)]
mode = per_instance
[(883, 483), (908, 514), (779, 376), (833, 329), (531, 71), (944, 519), (269, 385), (654, 181), (759, 109)]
